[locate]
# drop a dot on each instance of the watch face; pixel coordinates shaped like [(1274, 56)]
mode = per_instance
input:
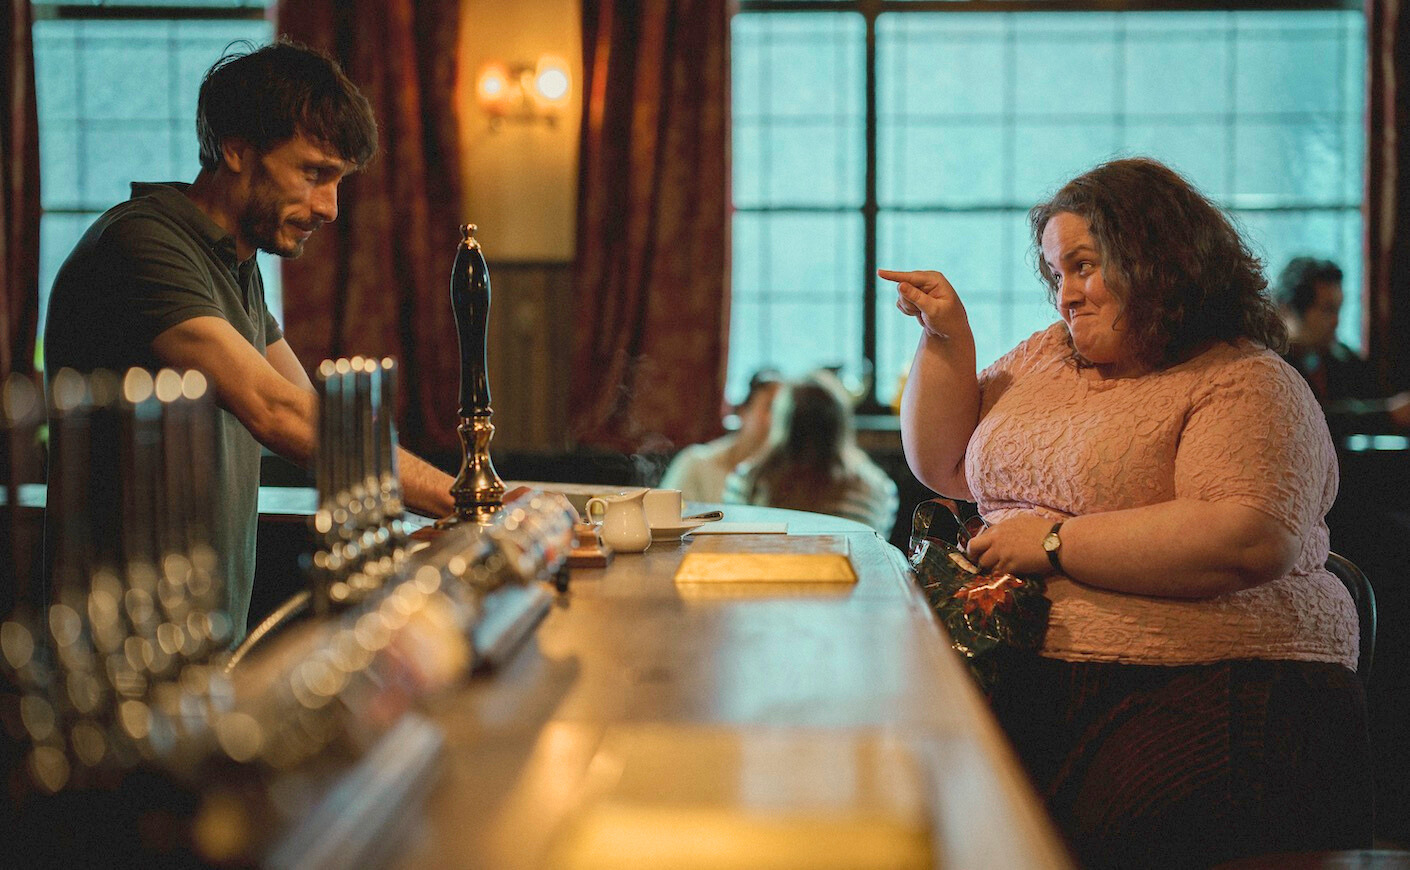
[(1051, 542)]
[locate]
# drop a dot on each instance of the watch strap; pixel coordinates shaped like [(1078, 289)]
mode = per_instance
[(1053, 553)]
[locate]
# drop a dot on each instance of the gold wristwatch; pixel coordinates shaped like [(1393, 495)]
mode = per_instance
[(1052, 544)]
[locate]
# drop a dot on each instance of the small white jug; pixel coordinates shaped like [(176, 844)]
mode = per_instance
[(624, 527)]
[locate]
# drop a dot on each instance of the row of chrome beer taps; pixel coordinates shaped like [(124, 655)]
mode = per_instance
[(125, 659), (118, 668), (359, 527)]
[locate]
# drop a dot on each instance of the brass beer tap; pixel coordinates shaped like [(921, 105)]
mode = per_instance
[(477, 490)]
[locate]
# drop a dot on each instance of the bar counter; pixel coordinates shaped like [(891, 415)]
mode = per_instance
[(649, 725)]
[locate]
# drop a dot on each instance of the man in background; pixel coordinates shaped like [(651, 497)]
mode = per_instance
[(1309, 292), (169, 277)]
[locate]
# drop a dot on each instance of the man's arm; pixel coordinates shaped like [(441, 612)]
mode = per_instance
[(425, 488), (280, 414), (272, 396), (282, 358)]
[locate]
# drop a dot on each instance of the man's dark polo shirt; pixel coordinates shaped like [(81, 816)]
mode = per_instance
[(143, 267)]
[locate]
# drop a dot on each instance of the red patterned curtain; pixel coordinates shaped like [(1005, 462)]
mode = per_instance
[(377, 280), (1387, 207), (19, 194), (652, 272)]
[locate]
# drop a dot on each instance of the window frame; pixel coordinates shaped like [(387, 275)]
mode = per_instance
[(870, 10), (101, 10), (43, 11)]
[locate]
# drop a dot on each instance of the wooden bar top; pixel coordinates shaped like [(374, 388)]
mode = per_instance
[(652, 724), (648, 723)]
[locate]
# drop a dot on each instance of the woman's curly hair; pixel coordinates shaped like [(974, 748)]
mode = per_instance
[(1175, 262)]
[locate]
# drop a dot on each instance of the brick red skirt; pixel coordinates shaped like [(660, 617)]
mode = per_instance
[(1150, 766)]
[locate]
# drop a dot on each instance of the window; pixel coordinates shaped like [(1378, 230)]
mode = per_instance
[(116, 88), (979, 112)]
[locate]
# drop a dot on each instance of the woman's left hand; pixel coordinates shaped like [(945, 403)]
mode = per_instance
[(1014, 546)]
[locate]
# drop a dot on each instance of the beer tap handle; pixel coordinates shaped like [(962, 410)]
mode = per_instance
[(175, 572), (105, 433), (68, 499), (344, 426), (348, 513), (470, 301), (393, 510), (379, 522), (140, 470), (366, 440), (391, 472), (477, 490), (364, 531), (172, 461), (322, 454), (324, 536), (199, 447), (22, 407), (207, 584)]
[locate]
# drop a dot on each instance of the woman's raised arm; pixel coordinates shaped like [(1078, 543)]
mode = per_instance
[(940, 404)]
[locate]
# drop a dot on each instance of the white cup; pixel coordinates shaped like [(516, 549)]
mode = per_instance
[(663, 508)]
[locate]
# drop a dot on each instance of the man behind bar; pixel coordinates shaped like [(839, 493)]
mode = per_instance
[(169, 277)]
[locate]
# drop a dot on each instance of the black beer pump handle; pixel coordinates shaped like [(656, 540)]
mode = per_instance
[(470, 300)]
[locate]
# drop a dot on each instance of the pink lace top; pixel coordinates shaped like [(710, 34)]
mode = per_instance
[(1234, 424)]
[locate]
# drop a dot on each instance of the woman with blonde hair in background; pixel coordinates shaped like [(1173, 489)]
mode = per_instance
[(699, 470), (812, 462)]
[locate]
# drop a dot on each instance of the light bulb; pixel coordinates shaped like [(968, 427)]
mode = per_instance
[(492, 87), (551, 81)]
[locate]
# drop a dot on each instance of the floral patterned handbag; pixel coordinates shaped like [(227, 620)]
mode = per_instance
[(991, 619)]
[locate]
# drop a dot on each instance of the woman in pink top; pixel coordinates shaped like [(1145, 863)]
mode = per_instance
[(1154, 458)]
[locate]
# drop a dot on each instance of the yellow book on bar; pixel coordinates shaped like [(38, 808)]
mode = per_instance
[(768, 559)]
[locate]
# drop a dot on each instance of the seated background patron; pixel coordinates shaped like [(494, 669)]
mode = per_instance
[(1151, 454), (1310, 295), (699, 470), (812, 462)]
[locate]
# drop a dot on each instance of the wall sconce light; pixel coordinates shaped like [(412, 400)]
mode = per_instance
[(524, 92)]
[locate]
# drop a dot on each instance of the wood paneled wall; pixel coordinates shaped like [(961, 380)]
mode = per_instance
[(532, 319)]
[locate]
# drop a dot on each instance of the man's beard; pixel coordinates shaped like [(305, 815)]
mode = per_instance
[(261, 224)]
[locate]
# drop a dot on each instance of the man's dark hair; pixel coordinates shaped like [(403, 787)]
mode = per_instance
[(268, 95), (1181, 271), (1297, 283)]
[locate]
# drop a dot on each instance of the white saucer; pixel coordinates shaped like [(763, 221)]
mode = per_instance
[(674, 532)]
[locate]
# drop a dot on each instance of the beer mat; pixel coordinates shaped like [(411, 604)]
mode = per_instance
[(724, 527), (768, 559)]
